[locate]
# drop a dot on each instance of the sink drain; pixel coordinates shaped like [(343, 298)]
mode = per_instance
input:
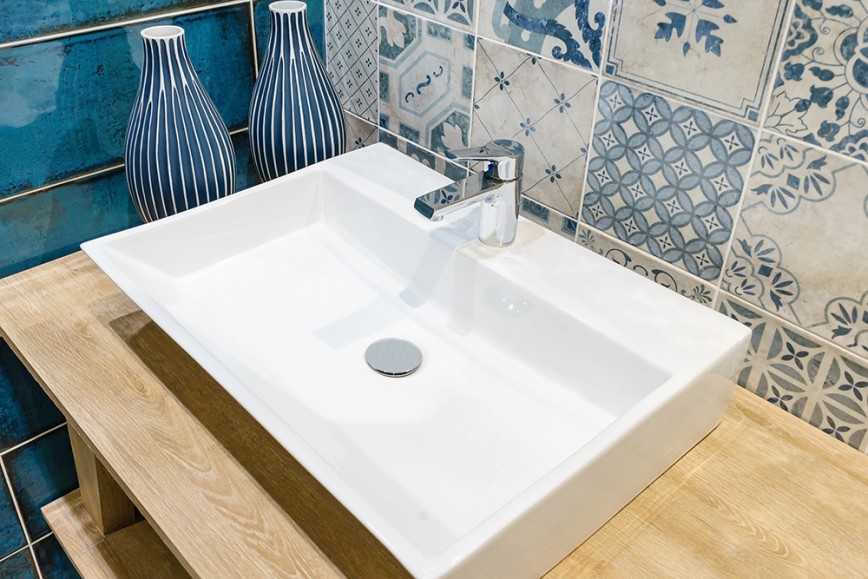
[(393, 357)]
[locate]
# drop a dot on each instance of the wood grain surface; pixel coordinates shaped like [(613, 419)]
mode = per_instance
[(763, 495)]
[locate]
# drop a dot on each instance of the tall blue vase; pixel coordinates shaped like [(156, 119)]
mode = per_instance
[(295, 115), (177, 152)]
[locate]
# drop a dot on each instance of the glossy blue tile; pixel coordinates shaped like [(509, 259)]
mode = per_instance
[(315, 21), (19, 566), (11, 535), (25, 410), (41, 472), (67, 102), (39, 227), (31, 19), (52, 560)]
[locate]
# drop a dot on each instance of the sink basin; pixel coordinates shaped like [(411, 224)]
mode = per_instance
[(555, 385)]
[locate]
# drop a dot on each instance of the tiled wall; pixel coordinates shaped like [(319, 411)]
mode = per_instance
[(718, 147)]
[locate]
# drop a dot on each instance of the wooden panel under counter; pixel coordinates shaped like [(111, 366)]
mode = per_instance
[(763, 495)]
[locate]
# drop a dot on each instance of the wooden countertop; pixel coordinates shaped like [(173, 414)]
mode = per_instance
[(763, 495)]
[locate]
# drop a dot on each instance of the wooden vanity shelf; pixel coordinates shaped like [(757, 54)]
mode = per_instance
[(177, 479)]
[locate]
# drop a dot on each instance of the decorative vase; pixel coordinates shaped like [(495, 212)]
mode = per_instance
[(177, 152), (295, 115)]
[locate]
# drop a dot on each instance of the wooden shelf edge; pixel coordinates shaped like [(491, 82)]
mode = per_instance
[(132, 552)]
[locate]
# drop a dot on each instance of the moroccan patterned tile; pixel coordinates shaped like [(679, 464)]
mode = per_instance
[(426, 80), (52, 560), (315, 21), (570, 31), (821, 95), (549, 218), (25, 410), (40, 472), (360, 133), (548, 108), (666, 178), (18, 566), (351, 44), (66, 103), (820, 384), (640, 262), (716, 53), (800, 246), (424, 156), (11, 535), (456, 13)]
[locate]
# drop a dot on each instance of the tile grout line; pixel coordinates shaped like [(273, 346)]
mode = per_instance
[(120, 24), (251, 11), (15, 504), (13, 553), (33, 439), (70, 180), (786, 23)]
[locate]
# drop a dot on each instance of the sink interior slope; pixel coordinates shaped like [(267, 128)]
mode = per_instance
[(555, 384)]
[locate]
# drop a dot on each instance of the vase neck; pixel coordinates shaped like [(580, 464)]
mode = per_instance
[(166, 44)]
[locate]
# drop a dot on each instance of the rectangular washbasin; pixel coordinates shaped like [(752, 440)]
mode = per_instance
[(555, 385)]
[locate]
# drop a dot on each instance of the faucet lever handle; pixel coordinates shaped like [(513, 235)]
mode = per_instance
[(504, 158)]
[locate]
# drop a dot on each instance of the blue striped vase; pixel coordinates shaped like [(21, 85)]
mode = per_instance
[(295, 115), (178, 153)]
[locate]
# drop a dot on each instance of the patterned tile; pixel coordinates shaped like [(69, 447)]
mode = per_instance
[(638, 261), (798, 198), (11, 535), (424, 156), (716, 53), (18, 566), (456, 13), (25, 410), (315, 22), (549, 218), (351, 44), (426, 80), (66, 103), (52, 560), (40, 472), (666, 179), (820, 384), (570, 31), (360, 133), (821, 95), (546, 107)]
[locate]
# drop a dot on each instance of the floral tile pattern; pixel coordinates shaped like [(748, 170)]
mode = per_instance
[(569, 31), (820, 384), (795, 196), (424, 156), (360, 133), (728, 47), (821, 94), (546, 107), (638, 261), (666, 179), (426, 80), (351, 46), (549, 218), (456, 13)]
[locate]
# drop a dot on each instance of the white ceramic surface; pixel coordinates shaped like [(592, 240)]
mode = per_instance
[(555, 384)]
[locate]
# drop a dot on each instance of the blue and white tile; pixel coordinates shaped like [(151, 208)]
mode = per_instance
[(654, 269), (799, 250), (569, 31), (455, 13), (821, 93), (719, 54), (360, 133), (548, 218), (351, 45), (429, 159), (666, 178), (548, 108), (817, 382), (426, 80)]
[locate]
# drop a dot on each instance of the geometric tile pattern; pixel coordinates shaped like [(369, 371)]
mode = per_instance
[(552, 121), (640, 262), (549, 218), (719, 54), (819, 383), (822, 90), (666, 178), (569, 31), (455, 13), (443, 166), (360, 133), (796, 195), (351, 45), (426, 80)]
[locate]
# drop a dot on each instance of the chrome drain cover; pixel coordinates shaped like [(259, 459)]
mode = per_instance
[(393, 357)]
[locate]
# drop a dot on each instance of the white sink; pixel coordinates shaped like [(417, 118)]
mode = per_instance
[(555, 384)]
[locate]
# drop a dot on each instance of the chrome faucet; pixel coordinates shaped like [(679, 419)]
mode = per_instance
[(497, 188)]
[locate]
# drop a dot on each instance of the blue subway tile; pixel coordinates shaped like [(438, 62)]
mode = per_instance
[(315, 21), (42, 226), (18, 566), (11, 535), (25, 410), (41, 472), (52, 560), (67, 101)]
